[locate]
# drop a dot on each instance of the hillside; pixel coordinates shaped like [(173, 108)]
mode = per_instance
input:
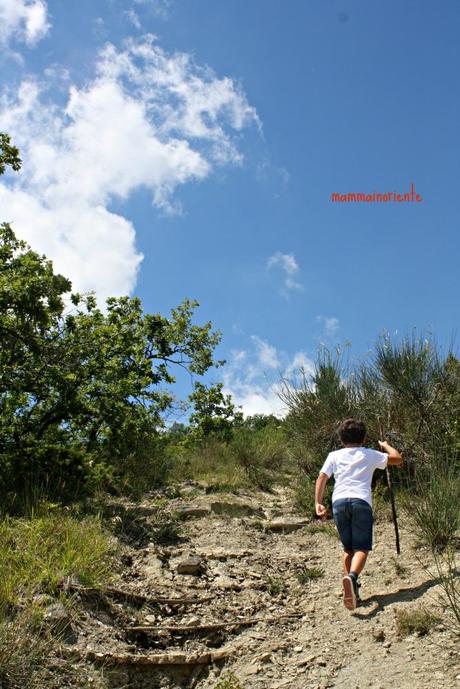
[(258, 605)]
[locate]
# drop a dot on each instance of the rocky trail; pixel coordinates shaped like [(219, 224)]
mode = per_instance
[(253, 588)]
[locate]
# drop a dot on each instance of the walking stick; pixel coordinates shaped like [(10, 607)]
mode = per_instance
[(392, 498)]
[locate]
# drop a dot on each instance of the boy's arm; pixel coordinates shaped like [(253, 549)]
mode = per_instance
[(394, 458), (321, 481)]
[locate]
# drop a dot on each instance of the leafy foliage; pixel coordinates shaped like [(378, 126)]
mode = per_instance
[(214, 413), (84, 391), (9, 154)]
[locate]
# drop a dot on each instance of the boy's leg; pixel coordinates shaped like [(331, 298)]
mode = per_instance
[(358, 561), (347, 560)]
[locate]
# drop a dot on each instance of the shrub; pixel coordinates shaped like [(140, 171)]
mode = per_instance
[(416, 621), (434, 510), (449, 580)]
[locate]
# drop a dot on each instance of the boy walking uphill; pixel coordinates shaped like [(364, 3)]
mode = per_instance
[(353, 467)]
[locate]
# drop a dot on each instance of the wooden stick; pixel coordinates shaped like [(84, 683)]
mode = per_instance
[(172, 658), (392, 497), (136, 597), (393, 511), (211, 626)]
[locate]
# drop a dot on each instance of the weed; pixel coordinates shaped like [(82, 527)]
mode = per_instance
[(307, 574), (230, 681), (416, 621), (168, 533), (400, 569), (277, 586)]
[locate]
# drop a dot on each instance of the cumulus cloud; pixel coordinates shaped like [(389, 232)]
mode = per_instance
[(147, 119), (330, 325), (23, 20), (252, 387), (289, 266)]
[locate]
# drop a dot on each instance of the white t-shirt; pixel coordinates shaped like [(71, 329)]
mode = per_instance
[(353, 468)]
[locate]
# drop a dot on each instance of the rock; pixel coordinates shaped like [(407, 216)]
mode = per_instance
[(224, 582), (192, 511), (59, 623), (246, 584), (236, 507), (223, 554), (192, 565), (286, 524), (252, 670), (307, 660), (153, 567), (298, 649), (150, 619), (379, 635), (192, 621)]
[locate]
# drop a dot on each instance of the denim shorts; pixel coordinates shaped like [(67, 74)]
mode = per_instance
[(354, 519)]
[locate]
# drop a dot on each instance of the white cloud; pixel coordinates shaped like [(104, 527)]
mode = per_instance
[(23, 20), (133, 17), (147, 119), (160, 8), (330, 325), (247, 381), (265, 352), (286, 261), (289, 266)]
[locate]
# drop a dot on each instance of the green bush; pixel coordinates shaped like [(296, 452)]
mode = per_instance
[(434, 508)]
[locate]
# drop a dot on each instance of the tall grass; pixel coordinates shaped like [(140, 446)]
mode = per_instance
[(37, 553), (22, 655), (446, 566), (253, 457), (433, 507)]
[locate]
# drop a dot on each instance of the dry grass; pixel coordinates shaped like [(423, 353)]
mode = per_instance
[(415, 621)]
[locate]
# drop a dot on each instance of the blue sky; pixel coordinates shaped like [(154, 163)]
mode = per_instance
[(190, 149)]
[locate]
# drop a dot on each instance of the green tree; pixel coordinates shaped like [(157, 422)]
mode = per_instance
[(9, 155), (83, 391), (214, 413)]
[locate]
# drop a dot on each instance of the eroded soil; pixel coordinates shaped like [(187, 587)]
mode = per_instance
[(254, 559)]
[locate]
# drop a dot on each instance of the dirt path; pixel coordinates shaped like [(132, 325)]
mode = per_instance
[(248, 552)]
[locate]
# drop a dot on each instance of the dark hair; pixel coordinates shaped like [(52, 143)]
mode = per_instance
[(352, 431)]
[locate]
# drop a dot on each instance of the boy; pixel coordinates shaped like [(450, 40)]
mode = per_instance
[(353, 467)]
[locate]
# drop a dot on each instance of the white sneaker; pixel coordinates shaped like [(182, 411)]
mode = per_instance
[(349, 595)]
